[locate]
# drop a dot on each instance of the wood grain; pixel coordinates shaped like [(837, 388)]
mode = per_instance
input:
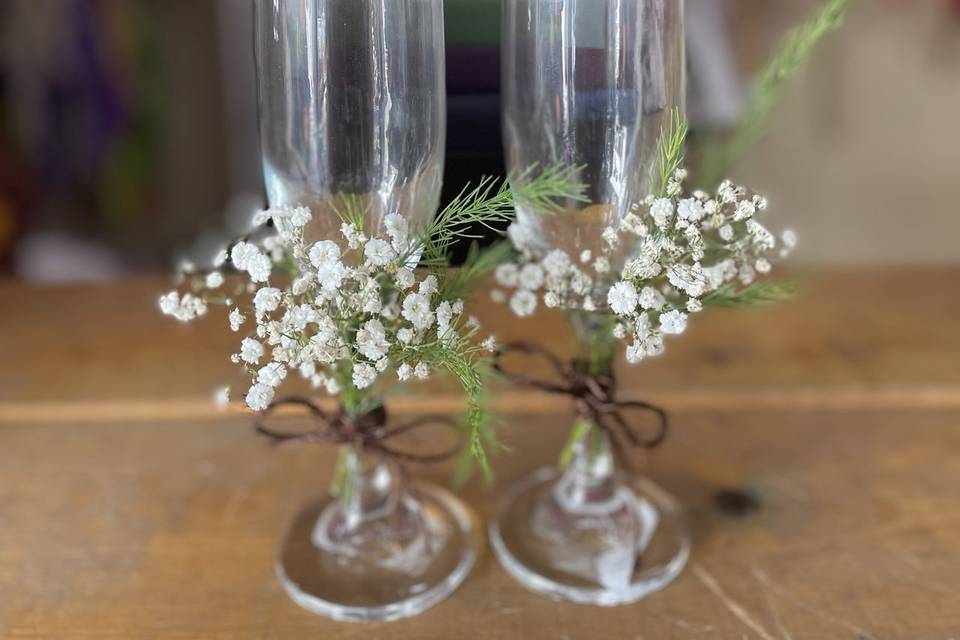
[(130, 509)]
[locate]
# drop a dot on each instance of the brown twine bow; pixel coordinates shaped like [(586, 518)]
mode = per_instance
[(593, 398), (367, 432)]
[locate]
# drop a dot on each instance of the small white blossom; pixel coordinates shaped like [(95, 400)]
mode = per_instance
[(251, 351), (416, 309), (650, 298), (241, 253), (363, 375), (610, 236), (422, 371), (221, 397), (585, 256), (622, 298), (789, 239), (404, 278), (266, 300), (531, 277), (601, 265), (557, 263), (272, 374), (661, 211), (372, 340), (506, 274), (498, 296), (404, 372), (300, 217), (378, 252), (397, 228), (236, 319), (523, 303), (330, 276), (214, 280), (490, 344), (690, 209), (429, 285), (323, 253), (260, 396), (259, 267), (673, 322)]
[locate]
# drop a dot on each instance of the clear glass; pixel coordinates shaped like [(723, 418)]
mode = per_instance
[(352, 102), (588, 534), (385, 548), (590, 84), (352, 108)]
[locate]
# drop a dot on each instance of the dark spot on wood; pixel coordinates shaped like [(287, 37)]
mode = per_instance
[(735, 502)]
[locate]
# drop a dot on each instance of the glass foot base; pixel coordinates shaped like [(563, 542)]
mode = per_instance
[(605, 552), (388, 568)]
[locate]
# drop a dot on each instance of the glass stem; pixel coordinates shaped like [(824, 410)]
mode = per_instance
[(596, 345)]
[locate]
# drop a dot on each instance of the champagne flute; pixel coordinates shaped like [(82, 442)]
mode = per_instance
[(352, 124), (588, 86)]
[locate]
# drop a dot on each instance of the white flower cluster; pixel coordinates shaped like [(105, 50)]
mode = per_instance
[(335, 313), (686, 248)]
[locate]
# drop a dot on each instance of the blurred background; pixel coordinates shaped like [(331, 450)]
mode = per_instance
[(128, 127)]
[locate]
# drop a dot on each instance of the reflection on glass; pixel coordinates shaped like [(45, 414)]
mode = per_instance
[(352, 106), (589, 83)]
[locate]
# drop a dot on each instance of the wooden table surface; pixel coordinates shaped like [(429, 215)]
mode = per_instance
[(130, 508)]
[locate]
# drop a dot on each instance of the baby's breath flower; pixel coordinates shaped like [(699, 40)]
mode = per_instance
[(650, 298), (323, 253), (611, 237), (429, 285), (673, 322), (404, 372), (506, 274), (266, 300), (489, 344), (557, 263), (363, 375), (236, 320), (661, 211), (531, 277), (251, 351), (272, 374), (523, 303), (690, 209), (421, 371), (397, 229), (404, 278), (214, 280), (622, 298), (260, 396), (221, 396), (416, 309), (259, 267), (378, 252), (372, 340)]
